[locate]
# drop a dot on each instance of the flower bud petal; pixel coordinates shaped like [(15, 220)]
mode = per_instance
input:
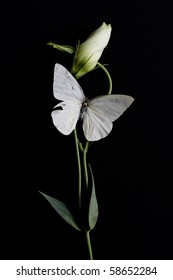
[(91, 50)]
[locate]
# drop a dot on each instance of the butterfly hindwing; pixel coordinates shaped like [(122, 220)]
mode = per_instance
[(96, 125), (66, 116)]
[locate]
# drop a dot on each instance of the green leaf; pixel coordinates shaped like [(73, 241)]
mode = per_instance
[(62, 209), (63, 48), (93, 206)]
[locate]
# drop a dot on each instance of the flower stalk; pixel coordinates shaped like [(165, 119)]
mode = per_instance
[(108, 76), (85, 164), (90, 253), (79, 169)]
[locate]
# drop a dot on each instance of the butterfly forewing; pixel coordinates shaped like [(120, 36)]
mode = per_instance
[(112, 105), (65, 86)]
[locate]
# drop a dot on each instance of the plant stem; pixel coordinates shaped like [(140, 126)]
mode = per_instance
[(87, 235), (79, 169), (84, 151), (85, 164), (108, 76)]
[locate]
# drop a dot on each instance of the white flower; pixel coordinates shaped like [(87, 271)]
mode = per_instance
[(91, 50)]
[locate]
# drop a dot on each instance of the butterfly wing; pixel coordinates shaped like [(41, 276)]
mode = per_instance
[(65, 86), (100, 114), (66, 116), (66, 89)]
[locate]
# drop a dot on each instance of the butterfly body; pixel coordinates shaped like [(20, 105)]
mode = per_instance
[(84, 108), (97, 114)]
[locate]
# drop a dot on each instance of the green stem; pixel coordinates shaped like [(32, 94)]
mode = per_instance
[(87, 235), (84, 151), (85, 164), (79, 169), (108, 76)]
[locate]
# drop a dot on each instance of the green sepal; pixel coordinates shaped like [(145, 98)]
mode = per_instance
[(63, 48), (63, 210), (93, 205)]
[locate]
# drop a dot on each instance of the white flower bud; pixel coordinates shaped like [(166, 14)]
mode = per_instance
[(91, 50)]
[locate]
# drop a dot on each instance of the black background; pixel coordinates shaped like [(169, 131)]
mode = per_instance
[(133, 166)]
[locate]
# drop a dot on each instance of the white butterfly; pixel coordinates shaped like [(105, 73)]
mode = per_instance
[(97, 114)]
